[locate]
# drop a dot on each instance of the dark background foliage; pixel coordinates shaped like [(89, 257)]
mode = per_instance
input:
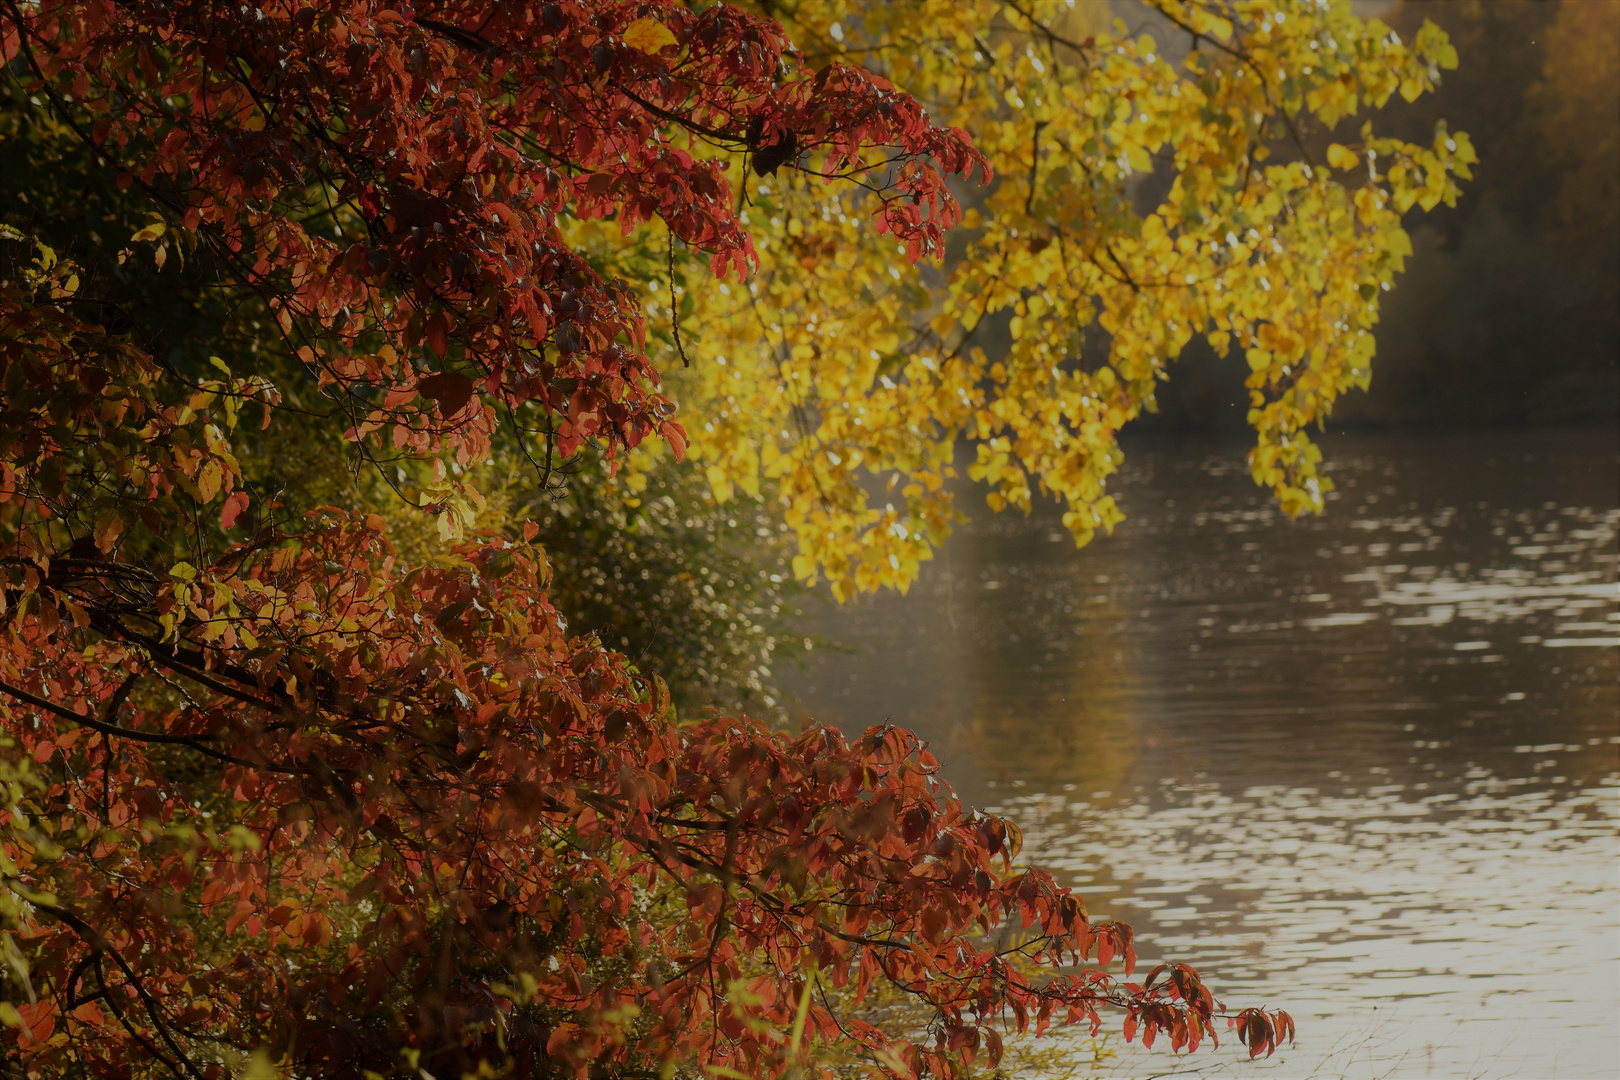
[(1509, 310)]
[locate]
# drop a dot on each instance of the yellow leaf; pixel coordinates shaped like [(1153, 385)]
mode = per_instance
[(81, 618), (209, 478), (648, 35), (1341, 157), (108, 526), (719, 484), (154, 229), (260, 1067)]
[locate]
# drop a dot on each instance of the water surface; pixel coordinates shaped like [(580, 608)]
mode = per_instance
[(1363, 766)]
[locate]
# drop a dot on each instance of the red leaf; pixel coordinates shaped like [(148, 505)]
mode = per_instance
[(438, 333), (675, 435), (39, 1020), (449, 389), (232, 509)]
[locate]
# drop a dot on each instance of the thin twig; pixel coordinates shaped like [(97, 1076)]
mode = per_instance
[(674, 301)]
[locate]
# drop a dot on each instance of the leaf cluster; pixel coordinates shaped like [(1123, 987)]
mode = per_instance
[(1150, 189)]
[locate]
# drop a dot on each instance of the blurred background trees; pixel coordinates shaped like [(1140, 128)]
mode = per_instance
[(1509, 309)]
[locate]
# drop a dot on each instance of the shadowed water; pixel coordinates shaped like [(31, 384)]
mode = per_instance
[(1363, 766)]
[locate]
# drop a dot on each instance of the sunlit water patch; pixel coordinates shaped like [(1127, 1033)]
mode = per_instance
[(1362, 767), (1408, 933)]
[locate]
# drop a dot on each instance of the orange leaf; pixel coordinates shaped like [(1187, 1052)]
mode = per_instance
[(648, 35)]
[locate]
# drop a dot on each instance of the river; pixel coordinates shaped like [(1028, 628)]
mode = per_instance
[(1362, 766)]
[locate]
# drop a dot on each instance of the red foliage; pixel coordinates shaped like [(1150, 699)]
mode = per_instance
[(308, 799), (439, 798), (457, 133)]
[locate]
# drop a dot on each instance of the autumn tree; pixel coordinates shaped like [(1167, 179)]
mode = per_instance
[(1149, 191), (284, 796)]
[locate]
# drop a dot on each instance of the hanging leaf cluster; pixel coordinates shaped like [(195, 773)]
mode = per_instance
[(1149, 191)]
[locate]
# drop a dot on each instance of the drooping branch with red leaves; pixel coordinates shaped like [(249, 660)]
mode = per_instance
[(301, 799), (407, 809)]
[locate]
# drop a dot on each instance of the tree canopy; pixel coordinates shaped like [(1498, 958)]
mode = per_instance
[(300, 786), (1137, 203)]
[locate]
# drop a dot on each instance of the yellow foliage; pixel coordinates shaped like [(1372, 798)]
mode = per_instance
[(841, 379)]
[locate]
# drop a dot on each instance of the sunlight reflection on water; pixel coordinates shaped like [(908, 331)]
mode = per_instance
[(1364, 767)]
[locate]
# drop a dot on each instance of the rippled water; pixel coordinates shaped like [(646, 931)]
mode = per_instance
[(1364, 767)]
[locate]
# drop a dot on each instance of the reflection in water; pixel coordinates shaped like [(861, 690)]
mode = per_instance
[(1363, 767)]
